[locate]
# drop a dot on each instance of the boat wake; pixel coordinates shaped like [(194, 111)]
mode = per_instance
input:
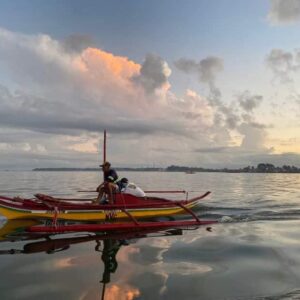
[(293, 295), (236, 214)]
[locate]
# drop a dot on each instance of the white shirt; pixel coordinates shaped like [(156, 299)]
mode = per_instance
[(134, 190)]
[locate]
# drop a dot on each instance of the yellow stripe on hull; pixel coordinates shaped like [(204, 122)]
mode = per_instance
[(11, 213)]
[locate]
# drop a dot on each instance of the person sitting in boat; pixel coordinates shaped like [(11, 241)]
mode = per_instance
[(122, 184), (127, 187), (108, 186)]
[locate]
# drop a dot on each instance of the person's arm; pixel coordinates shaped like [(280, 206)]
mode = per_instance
[(112, 176)]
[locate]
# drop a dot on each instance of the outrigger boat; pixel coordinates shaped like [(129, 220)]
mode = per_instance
[(47, 207)]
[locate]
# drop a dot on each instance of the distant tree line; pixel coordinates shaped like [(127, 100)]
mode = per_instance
[(96, 169), (260, 168)]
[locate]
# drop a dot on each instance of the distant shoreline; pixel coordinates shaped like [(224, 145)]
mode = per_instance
[(98, 169), (260, 168)]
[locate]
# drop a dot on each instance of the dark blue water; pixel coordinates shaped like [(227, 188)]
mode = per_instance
[(254, 253)]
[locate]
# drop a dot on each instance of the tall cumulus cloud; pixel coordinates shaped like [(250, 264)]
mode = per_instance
[(71, 89)]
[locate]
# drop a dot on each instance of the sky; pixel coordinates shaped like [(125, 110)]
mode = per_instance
[(196, 83)]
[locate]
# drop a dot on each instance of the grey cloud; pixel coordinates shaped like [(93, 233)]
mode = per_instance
[(283, 64), (17, 159), (212, 149), (249, 102), (254, 137), (59, 119), (154, 73), (77, 42), (284, 11), (166, 149), (230, 150), (230, 115), (214, 95), (191, 115), (33, 60), (186, 65), (232, 121), (259, 125), (207, 68)]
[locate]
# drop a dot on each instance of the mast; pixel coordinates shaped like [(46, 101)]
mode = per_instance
[(104, 149), (104, 146)]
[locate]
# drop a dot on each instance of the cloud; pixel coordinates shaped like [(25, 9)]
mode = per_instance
[(206, 71), (254, 137), (284, 12), (212, 149), (227, 117), (154, 74), (65, 92), (283, 64), (232, 120), (68, 90), (207, 68), (23, 149), (249, 102), (41, 116), (77, 43)]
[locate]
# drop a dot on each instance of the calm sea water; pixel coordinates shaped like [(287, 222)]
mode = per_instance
[(254, 253)]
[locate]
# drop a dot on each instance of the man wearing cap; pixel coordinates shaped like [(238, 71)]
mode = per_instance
[(109, 184)]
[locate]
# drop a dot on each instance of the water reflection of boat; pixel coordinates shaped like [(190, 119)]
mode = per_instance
[(17, 230)]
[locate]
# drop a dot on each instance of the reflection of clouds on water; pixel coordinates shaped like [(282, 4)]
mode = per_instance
[(119, 292), (54, 264), (163, 244), (64, 263), (112, 292), (165, 270), (150, 268), (181, 268), (49, 265), (126, 252), (35, 290), (88, 289)]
